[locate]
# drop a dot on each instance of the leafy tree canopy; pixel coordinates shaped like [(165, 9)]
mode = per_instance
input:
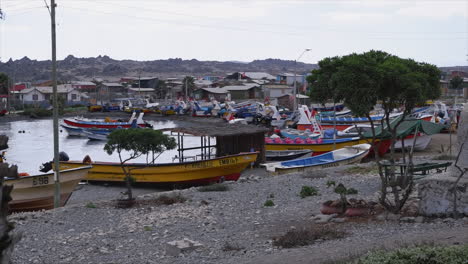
[(362, 80), (138, 142), (456, 82), (4, 83)]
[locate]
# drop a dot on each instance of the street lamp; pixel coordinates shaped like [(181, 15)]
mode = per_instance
[(295, 88)]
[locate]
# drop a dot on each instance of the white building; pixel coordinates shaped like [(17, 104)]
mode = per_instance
[(43, 94)]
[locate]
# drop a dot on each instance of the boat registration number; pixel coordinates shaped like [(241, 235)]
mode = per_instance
[(40, 180)]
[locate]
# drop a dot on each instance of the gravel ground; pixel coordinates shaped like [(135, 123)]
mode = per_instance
[(237, 217)]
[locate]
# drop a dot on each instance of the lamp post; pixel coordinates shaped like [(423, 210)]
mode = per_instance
[(295, 88)]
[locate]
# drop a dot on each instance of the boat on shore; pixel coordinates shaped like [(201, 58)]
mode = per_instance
[(346, 155), (200, 171), (283, 155), (36, 192)]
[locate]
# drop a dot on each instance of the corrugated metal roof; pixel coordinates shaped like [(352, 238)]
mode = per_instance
[(240, 87), (82, 83), (109, 84), (259, 75), (216, 90), (141, 89)]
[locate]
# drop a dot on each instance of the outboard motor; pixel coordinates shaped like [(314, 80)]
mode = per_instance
[(63, 156)]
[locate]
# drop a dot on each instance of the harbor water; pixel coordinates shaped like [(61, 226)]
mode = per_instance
[(31, 144)]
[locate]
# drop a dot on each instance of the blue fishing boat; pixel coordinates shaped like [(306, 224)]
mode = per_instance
[(346, 155)]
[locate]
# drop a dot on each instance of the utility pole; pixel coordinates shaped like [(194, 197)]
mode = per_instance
[(186, 89), (57, 200), (295, 86)]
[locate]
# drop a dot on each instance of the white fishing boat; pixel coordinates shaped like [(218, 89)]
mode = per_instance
[(346, 155)]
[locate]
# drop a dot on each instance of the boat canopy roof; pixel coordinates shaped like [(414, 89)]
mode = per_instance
[(407, 127), (222, 129)]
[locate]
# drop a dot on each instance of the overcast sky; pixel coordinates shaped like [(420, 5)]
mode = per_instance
[(239, 30)]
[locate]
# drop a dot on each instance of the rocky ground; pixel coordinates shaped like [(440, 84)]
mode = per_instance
[(233, 226)]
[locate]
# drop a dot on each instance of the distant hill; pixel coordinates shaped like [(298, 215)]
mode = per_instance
[(72, 68)]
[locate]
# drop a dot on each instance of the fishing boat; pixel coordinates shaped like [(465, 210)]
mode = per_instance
[(83, 123), (346, 155), (73, 131), (200, 171), (96, 135), (36, 192), (283, 155), (321, 146), (422, 141), (295, 133)]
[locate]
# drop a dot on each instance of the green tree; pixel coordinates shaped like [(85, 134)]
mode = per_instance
[(362, 80), (322, 88), (137, 142), (4, 83), (189, 83), (456, 83)]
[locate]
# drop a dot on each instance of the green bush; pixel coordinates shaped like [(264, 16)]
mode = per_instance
[(90, 205), (269, 203), (419, 255), (308, 191), (36, 112)]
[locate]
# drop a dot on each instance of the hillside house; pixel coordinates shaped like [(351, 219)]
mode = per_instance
[(84, 86), (42, 95), (288, 78), (247, 91), (287, 100), (219, 94), (250, 76), (276, 90)]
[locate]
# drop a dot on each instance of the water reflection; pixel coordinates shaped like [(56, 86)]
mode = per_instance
[(33, 147)]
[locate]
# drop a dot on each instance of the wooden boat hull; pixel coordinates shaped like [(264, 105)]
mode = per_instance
[(36, 192), (322, 148), (73, 131), (422, 142), (317, 148), (282, 155), (347, 155), (92, 124), (204, 171)]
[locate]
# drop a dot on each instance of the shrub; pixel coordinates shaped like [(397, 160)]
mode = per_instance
[(308, 191), (36, 112), (306, 236), (419, 255), (170, 199), (231, 247), (269, 203), (214, 188), (90, 205)]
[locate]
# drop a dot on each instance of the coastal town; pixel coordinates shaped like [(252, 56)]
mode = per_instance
[(359, 155)]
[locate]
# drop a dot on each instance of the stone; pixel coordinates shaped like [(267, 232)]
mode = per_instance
[(338, 220), (419, 219), (381, 217), (437, 195), (392, 217), (174, 248), (408, 219), (321, 218)]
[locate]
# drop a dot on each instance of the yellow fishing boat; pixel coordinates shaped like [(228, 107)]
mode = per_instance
[(327, 145), (201, 171)]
